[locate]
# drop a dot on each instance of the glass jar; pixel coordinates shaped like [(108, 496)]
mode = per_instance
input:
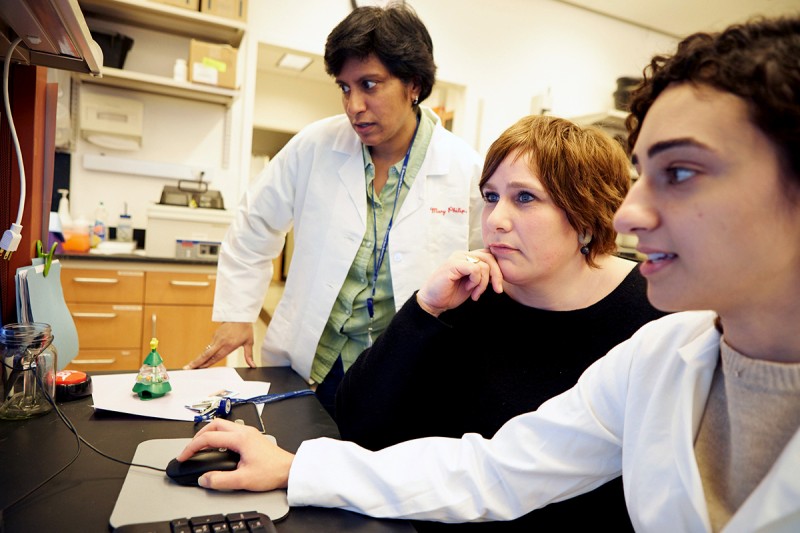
[(29, 370)]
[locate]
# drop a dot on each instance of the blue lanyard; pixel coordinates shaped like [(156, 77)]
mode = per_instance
[(222, 408), (276, 397), (377, 257)]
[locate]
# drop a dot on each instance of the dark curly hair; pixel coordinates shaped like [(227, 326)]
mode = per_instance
[(396, 36), (758, 61), (583, 169)]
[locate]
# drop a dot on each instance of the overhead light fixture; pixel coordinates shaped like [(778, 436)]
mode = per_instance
[(295, 62)]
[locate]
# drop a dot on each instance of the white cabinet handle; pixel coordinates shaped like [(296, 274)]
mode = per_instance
[(108, 281), (95, 315), (179, 283), (93, 361)]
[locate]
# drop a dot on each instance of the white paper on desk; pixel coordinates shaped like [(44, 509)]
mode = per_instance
[(114, 392)]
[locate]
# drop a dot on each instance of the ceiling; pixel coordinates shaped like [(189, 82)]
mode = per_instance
[(679, 18), (676, 18)]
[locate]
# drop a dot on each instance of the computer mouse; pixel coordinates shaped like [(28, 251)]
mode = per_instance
[(209, 460)]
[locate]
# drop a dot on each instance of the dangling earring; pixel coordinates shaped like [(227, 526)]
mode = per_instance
[(416, 100), (585, 239)]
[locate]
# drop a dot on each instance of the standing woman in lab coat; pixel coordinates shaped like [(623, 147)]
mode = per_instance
[(377, 198), (699, 410)]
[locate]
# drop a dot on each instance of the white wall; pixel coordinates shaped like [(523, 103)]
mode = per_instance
[(503, 52), (287, 104)]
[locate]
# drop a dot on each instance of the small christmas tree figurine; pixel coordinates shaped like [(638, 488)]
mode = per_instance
[(152, 380)]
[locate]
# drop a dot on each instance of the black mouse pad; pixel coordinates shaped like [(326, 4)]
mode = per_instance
[(150, 496)]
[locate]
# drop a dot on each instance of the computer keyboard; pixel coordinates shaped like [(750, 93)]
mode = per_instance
[(249, 522)]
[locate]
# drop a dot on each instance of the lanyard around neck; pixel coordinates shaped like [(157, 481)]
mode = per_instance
[(377, 256)]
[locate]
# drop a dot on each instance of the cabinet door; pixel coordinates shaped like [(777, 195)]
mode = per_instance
[(180, 288), (107, 359), (107, 325), (183, 331), (107, 286)]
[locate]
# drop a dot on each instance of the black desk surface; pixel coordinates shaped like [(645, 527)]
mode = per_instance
[(81, 498)]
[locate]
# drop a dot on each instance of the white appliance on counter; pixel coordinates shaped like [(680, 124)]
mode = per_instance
[(170, 227)]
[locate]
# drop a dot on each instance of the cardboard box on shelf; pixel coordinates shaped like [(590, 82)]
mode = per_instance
[(232, 9), (194, 5), (212, 64)]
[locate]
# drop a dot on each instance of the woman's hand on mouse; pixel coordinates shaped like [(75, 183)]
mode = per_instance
[(464, 275), (262, 466)]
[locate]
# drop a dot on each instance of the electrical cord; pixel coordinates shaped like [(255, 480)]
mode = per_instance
[(78, 439), (12, 236)]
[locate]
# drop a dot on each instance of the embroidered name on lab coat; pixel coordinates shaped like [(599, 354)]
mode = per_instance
[(453, 210)]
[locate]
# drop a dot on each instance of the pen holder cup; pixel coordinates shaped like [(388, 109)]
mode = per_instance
[(29, 370)]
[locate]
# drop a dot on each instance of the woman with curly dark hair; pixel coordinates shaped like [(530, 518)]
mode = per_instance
[(699, 410)]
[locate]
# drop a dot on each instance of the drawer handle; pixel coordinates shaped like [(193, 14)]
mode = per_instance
[(179, 283), (109, 281), (93, 361), (94, 315)]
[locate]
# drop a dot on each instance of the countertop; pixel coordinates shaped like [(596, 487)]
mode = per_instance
[(131, 258)]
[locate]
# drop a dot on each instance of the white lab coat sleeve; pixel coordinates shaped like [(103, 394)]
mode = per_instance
[(641, 405), (256, 237), (566, 448)]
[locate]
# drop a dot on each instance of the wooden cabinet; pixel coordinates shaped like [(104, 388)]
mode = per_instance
[(178, 309), (106, 306), (118, 310)]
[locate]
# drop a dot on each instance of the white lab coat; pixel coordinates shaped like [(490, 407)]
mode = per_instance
[(636, 410), (316, 185)]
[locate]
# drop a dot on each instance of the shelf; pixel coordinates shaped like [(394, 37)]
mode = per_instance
[(137, 81), (171, 19)]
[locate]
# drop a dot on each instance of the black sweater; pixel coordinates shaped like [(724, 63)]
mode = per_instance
[(479, 365)]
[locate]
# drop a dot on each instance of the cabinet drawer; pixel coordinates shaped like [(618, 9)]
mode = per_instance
[(111, 359), (180, 288), (107, 326), (111, 286)]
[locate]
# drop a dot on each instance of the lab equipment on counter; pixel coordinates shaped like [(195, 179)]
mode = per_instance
[(197, 250), (168, 224), (191, 194)]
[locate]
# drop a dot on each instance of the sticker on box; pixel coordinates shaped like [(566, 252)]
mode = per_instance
[(203, 73)]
